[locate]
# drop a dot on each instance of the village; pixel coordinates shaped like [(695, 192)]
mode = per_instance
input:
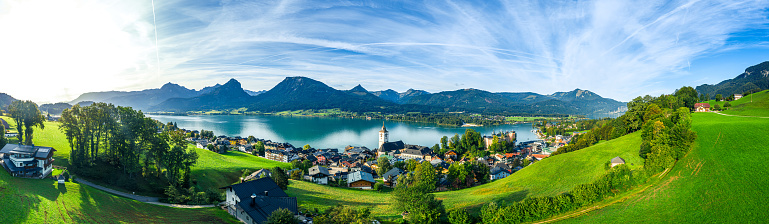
[(356, 166)]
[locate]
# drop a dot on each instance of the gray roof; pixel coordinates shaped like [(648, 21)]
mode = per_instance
[(39, 152), (258, 174), (262, 206), (318, 170), (391, 146), (360, 175), (393, 173), (617, 160)]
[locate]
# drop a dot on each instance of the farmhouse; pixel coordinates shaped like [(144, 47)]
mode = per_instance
[(360, 180), (319, 174), (499, 171), (253, 201), (701, 107), (737, 96), (617, 161), (27, 161)]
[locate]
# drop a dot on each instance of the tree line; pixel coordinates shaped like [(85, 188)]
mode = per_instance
[(121, 146), (27, 117)]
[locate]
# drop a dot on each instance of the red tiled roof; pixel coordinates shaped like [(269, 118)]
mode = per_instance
[(706, 105)]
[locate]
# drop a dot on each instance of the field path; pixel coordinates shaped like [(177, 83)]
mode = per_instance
[(719, 113), (145, 199)]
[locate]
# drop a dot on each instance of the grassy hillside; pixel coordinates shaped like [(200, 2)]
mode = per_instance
[(548, 177), (551, 176), (45, 201), (722, 180), (313, 196), (758, 107), (215, 170)]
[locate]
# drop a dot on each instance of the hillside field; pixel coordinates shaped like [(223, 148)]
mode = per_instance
[(215, 170), (45, 201), (722, 180), (759, 106)]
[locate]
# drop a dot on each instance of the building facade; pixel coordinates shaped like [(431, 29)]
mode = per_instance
[(27, 161)]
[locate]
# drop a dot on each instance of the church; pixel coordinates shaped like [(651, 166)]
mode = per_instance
[(400, 149)]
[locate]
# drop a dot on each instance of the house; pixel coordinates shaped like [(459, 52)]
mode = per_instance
[(254, 201), (737, 96), (702, 107), (27, 161), (391, 176), (450, 154), (319, 174), (499, 171), (416, 152), (276, 155), (617, 161), (360, 180), (201, 144), (245, 148)]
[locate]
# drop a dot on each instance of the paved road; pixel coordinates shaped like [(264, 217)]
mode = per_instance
[(145, 199)]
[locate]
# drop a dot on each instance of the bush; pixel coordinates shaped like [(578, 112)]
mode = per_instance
[(459, 216), (281, 216), (378, 186)]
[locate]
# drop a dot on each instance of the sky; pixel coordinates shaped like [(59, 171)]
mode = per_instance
[(55, 50)]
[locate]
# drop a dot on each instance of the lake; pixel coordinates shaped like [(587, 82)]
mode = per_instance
[(321, 132)]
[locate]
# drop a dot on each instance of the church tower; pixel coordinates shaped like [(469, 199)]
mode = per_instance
[(382, 135)]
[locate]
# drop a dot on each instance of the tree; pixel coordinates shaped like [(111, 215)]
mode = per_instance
[(306, 147), (411, 165), (282, 216), (727, 104), (280, 177), (716, 107), (383, 165), (251, 138), (27, 116), (421, 205), (459, 216), (445, 143), (688, 95), (719, 97), (3, 141), (296, 175), (259, 148), (340, 214), (296, 164), (426, 177)]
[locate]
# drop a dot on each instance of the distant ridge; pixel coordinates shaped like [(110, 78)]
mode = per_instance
[(755, 77), (6, 100)]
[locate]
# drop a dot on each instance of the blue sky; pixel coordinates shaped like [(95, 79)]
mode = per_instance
[(618, 49)]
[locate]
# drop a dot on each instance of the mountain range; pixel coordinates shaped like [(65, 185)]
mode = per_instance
[(295, 93), (145, 99), (5, 100), (754, 78)]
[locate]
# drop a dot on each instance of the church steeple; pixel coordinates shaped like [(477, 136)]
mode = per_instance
[(383, 134)]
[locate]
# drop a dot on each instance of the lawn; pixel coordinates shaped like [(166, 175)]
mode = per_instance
[(311, 196), (722, 180), (550, 176), (758, 107), (45, 201), (215, 170)]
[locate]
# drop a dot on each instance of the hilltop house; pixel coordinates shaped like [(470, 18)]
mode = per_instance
[(319, 174), (702, 107), (360, 180), (253, 201), (27, 161), (737, 96), (617, 161), (258, 174)]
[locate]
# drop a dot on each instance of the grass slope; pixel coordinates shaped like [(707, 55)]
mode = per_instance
[(215, 170), (722, 180), (758, 107), (313, 196), (551, 176), (548, 177)]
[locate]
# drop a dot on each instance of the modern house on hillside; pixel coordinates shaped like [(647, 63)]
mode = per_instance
[(27, 161), (254, 201)]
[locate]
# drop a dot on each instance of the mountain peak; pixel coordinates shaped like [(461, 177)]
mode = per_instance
[(358, 88), (171, 85), (232, 82)]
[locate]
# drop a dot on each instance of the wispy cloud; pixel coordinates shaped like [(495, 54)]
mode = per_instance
[(618, 49)]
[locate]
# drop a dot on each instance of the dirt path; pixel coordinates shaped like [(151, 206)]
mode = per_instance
[(729, 115), (145, 199)]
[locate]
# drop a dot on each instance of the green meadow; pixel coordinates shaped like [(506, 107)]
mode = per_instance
[(722, 180), (550, 176), (312, 196), (744, 107), (46, 201), (214, 170)]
